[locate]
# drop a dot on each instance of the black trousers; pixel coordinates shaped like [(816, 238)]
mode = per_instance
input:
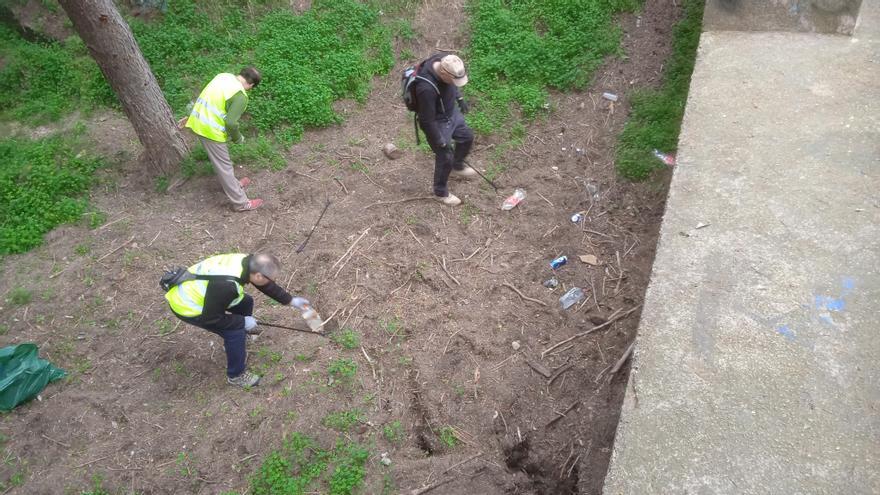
[(453, 130), (233, 340)]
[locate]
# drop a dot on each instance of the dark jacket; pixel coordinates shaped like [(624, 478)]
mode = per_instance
[(433, 106), (220, 293)]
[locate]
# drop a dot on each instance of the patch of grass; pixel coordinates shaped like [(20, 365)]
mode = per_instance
[(19, 296), (342, 370), (520, 49), (447, 436), (655, 119), (359, 167), (82, 249), (43, 183), (393, 327), (348, 339), (343, 420), (301, 466), (393, 431), (467, 212)]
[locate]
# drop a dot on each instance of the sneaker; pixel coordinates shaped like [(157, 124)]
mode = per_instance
[(465, 173), (244, 181), (244, 380), (450, 200), (251, 205)]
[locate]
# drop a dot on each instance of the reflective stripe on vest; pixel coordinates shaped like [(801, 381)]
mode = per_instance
[(208, 116), (188, 298)]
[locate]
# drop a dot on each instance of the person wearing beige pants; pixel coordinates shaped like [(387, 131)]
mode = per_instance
[(214, 119)]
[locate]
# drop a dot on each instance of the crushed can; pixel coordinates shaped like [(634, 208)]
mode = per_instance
[(577, 217), (559, 262)]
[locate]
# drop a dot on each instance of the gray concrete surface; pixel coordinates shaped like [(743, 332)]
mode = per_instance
[(821, 16), (757, 365)]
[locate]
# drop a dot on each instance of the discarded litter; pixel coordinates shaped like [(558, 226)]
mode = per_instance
[(589, 258), (702, 225), (609, 96), (593, 191), (514, 199), (551, 283), (23, 375), (577, 217), (559, 262), (667, 158), (572, 297), (391, 151), (312, 319), (515, 345)]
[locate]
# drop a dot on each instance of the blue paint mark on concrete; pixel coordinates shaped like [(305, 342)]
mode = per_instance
[(829, 303), (785, 332), (848, 284)]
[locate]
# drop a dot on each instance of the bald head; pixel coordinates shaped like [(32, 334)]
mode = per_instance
[(263, 266)]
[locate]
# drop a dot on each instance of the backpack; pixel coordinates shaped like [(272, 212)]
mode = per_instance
[(408, 92), (180, 274)]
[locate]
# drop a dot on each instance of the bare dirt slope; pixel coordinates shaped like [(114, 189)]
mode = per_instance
[(447, 341)]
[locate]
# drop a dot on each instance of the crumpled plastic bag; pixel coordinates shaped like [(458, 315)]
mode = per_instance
[(23, 375)]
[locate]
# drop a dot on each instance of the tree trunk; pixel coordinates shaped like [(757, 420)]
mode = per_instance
[(112, 45)]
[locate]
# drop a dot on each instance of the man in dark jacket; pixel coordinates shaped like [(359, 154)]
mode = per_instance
[(440, 108), (217, 303)]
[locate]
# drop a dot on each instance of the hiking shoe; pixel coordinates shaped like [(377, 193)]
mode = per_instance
[(450, 200), (244, 380), (251, 205), (465, 173), (244, 181)]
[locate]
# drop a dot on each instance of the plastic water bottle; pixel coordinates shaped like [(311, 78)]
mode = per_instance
[(514, 199), (572, 297), (313, 319)]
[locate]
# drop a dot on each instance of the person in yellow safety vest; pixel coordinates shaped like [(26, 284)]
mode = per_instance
[(214, 119), (217, 303)]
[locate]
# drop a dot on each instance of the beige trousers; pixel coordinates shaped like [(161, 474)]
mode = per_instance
[(219, 155)]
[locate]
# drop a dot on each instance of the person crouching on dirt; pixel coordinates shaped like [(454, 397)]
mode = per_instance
[(214, 119), (219, 304), (436, 91)]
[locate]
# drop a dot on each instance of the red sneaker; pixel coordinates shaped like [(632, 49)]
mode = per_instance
[(244, 181), (251, 205)]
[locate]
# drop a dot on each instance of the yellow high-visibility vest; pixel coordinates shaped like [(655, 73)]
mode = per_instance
[(188, 298), (208, 116)]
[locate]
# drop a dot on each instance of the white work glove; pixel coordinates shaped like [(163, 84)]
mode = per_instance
[(300, 303), (250, 323)]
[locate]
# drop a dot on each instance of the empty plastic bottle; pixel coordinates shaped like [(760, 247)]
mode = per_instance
[(313, 319), (572, 297), (514, 199)]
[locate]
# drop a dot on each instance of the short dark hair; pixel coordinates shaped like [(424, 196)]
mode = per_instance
[(266, 264), (251, 75)]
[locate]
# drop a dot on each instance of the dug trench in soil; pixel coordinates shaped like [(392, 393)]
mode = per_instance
[(427, 288)]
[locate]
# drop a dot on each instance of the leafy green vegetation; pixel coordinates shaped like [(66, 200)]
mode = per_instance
[(348, 339), (521, 48), (393, 431), (343, 420), (43, 183), (447, 436), (302, 466), (342, 370), (655, 119)]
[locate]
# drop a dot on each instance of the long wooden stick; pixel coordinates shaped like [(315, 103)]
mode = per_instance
[(623, 358), (398, 201), (117, 249), (350, 248), (587, 332), (524, 297), (303, 245)]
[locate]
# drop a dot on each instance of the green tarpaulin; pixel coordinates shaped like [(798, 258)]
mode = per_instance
[(23, 375)]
